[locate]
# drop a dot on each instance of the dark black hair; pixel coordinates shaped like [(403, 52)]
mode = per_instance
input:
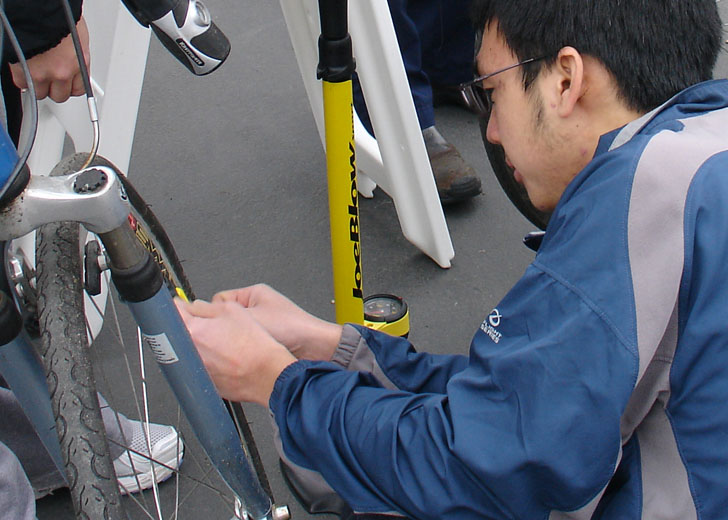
[(653, 48)]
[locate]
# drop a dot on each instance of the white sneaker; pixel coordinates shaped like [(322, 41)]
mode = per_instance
[(134, 467)]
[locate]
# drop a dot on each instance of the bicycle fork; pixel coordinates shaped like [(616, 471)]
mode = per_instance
[(140, 284), (95, 198)]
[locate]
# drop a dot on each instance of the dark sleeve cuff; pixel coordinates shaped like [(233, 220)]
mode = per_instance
[(38, 25), (290, 372)]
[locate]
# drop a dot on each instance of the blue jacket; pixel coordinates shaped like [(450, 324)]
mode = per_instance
[(599, 384)]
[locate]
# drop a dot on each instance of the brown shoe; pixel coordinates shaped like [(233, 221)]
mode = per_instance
[(455, 179)]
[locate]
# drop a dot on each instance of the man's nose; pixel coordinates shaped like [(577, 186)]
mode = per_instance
[(491, 133)]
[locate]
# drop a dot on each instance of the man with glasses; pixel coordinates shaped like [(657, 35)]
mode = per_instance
[(597, 387)]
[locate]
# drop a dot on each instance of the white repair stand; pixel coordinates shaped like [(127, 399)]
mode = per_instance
[(397, 161)]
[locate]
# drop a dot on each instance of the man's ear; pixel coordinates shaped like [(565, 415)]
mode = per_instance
[(568, 80)]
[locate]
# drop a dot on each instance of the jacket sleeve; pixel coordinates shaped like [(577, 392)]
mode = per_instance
[(530, 425), (39, 25), (394, 361)]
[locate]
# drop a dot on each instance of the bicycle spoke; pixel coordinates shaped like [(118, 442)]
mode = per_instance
[(147, 436), (141, 507), (176, 475), (209, 487)]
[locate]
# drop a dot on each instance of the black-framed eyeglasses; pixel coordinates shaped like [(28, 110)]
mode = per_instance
[(479, 98)]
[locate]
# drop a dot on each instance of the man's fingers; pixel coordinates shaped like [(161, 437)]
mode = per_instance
[(225, 296), (195, 316), (55, 72), (182, 308), (77, 88), (247, 296), (199, 308), (41, 90), (240, 296)]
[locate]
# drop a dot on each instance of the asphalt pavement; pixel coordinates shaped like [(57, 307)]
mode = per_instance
[(233, 166)]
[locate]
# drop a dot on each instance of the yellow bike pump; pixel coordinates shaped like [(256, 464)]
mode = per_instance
[(335, 69)]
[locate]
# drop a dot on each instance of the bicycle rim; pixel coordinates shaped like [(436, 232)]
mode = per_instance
[(195, 488)]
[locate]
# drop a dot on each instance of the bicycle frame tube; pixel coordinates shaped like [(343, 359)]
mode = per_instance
[(8, 160)]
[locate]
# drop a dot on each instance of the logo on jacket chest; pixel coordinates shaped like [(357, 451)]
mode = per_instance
[(490, 324)]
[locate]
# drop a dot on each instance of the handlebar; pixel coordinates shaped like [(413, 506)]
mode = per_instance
[(186, 29)]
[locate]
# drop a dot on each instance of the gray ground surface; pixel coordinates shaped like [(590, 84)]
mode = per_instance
[(233, 166)]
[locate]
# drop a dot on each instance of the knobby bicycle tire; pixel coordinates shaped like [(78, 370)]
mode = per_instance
[(60, 288), (70, 375), (64, 348), (515, 192)]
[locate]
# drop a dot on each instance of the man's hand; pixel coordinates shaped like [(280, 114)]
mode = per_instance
[(243, 360), (306, 336), (56, 72)]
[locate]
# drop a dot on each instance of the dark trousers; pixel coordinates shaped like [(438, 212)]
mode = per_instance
[(437, 42), (11, 100)]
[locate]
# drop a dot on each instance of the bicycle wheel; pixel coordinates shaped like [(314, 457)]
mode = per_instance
[(61, 300), (515, 192)]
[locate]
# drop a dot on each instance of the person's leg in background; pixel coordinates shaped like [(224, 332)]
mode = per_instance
[(447, 39), (17, 499), (17, 433), (455, 179), (16, 494)]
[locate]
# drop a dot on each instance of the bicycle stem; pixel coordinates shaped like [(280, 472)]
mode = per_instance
[(94, 197)]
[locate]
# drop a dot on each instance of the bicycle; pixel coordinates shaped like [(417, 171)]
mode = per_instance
[(45, 305)]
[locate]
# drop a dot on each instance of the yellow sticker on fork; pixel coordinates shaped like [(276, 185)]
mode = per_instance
[(150, 246), (181, 294)]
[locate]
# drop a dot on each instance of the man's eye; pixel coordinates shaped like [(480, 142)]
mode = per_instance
[(486, 97)]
